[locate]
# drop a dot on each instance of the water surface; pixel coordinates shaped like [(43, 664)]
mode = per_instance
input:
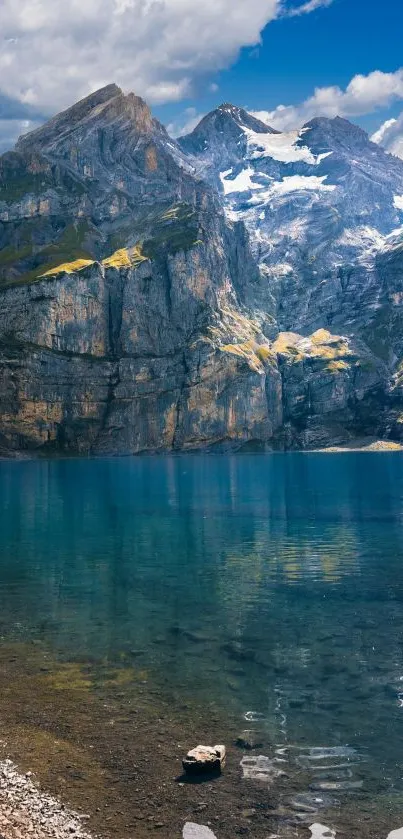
[(268, 588)]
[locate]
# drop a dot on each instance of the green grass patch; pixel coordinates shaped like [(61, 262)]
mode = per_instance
[(174, 230)]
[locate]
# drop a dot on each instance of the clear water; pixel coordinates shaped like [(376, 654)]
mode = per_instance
[(272, 585)]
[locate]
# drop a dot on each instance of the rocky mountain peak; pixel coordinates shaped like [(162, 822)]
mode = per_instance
[(222, 136), (228, 122), (69, 119), (335, 133), (243, 118), (102, 109)]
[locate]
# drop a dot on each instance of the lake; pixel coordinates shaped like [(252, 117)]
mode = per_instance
[(151, 603)]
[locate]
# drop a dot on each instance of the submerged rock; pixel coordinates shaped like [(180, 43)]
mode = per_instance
[(335, 785), (249, 740), (260, 768), (204, 759)]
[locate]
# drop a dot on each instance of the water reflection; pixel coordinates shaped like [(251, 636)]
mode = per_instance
[(272, 583)]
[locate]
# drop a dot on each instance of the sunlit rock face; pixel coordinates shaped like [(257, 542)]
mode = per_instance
[(240, 288)]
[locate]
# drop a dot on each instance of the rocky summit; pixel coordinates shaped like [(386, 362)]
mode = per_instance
[(239, 287)]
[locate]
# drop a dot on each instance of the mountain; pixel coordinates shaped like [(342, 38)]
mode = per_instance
[(323, 207), (220, 140), (118, 277), (238, 287)]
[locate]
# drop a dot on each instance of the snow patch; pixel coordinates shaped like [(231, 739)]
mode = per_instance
[(361, 237), (282, 147), (398, 202), (294, 183), (397, 233), (241, 183), (323, 156)]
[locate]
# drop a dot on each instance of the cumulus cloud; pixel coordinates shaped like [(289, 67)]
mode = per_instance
[(185, 123), (363, 95), (382, 133), (54, 53), (390, 136), (11, 129)]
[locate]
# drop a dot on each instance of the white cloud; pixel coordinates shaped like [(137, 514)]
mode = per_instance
[(185, 123), (53, 53), (11, 129), (383, 131), (308, 7), (390, 136), (363, 95)]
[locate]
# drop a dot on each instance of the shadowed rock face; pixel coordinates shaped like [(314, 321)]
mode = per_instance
[(138, 316)]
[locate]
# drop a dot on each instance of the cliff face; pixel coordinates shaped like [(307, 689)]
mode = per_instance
[(119, 359), (135, 317)]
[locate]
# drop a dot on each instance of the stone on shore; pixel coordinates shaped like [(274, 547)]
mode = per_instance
[(204, 759), (197, 831), (320, 831), (26, 811)]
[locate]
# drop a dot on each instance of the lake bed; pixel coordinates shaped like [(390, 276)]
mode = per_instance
[(148, 604)]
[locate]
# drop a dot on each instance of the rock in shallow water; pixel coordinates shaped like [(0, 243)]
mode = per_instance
[(260, 768), (249, 739), (204, 759)]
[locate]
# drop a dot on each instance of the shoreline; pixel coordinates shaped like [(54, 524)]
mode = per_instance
[(114, 753), (26, 811), (365, 444)]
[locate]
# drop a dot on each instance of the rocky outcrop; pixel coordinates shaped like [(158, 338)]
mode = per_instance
[(135, 316), (205, 759), (333, 389)]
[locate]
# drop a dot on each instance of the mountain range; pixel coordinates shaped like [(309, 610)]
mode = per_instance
[(235, 288)]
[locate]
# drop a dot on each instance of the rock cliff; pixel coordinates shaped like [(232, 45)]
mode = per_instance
[(145, 305)]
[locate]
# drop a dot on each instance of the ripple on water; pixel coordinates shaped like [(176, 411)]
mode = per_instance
[(311, 802), (260, 768), (253, 716)]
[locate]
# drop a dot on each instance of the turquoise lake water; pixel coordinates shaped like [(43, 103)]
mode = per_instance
[(273, 584)]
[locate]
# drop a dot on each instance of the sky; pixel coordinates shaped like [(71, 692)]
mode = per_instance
[(286, 60)]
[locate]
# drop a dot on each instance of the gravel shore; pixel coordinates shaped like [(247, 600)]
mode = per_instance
[(28, 813)]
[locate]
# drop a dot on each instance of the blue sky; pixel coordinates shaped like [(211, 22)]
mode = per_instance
[(185, 57), (327, 47)]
